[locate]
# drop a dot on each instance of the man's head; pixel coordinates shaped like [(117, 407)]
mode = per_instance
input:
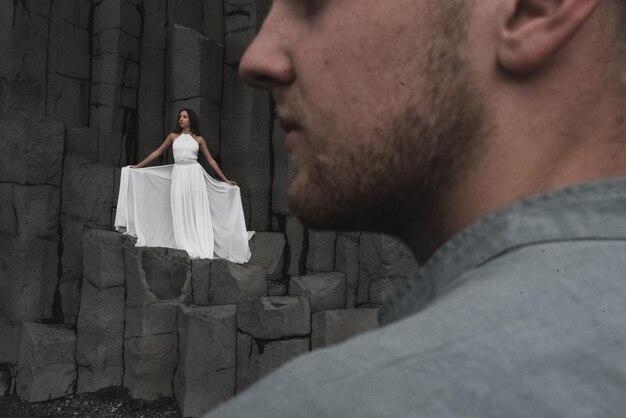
[(390, 106)]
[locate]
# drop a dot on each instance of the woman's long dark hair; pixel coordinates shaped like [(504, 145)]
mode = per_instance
[(194, 125)]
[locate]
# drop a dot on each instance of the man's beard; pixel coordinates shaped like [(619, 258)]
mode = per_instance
[(398, 179)]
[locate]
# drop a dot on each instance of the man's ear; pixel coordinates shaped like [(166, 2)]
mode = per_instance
[(535, 30)]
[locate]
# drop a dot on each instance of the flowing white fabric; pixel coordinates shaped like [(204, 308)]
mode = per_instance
[(181, 206)]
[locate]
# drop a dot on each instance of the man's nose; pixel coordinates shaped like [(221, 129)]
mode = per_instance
[(267, 63)]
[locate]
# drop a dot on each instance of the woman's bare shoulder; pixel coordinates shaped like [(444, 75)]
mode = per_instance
[(172, 136)]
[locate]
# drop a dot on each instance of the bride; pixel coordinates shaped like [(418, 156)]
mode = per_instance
[(180, 205)]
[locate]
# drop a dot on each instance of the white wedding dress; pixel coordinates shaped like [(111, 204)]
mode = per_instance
[(181, 206)]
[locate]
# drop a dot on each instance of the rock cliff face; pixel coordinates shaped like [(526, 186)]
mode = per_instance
[(87, 87)]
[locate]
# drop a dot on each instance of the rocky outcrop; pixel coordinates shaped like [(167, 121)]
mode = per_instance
[(332, 327), (205, 376), (100, 327), (323, 291), (46, 368), (157, 282), (256, 358), (275, 317)]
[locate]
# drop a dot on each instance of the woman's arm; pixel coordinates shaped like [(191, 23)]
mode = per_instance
[(205, 151), (157, 152)]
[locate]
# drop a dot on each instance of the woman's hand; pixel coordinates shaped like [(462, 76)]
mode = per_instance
[(134, 166), (232, 183)]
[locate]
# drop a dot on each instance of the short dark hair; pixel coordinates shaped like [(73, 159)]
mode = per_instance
[(194, 124)]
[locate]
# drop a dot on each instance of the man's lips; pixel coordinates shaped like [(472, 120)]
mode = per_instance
[(288, 125), (293, 132)]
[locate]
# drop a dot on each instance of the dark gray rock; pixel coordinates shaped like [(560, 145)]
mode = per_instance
[(277, 288), (71, 261), (29, 259), (187, 13), (151, 100), (46, 368), (154, 319), (332, 327), (281, 171), (26, 37), (150, 363), (100, 331), (82, 142), (231, 283), (321, 255), (103, 257), (213, 20), (384, 263), (200, 280), (347, 262), (275, 317), (207, 345), (27, 142), (100, 326), (68, 99), (88, 190), (154, 34), (5, 382), (256, 358), (268, 253), (156, 274), (158, 280), (68, 78), (10, 335), (245, 151), (196, 65), (324, 291), (295, 232)]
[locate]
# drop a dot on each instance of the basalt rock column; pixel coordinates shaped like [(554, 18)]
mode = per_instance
[(157, 282)]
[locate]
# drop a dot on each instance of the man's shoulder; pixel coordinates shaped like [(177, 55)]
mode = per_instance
[(495, 342)]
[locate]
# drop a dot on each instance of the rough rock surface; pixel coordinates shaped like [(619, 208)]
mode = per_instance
[(268, 252), (324, 291), (46, 368), (5, 381), (150, 364), (321, 256), (347, 262), (231, 283), (296, 239), (275, 317), (205, 375), (219, 282), (332, 327), (256, 358), (384, 263), (100, 327), (31, 157), (157, 282), (245, 116)]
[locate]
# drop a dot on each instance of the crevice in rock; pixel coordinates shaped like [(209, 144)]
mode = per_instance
[(16, 183), (47, 71), (25, 9), (238, 12), (129, 136), (270, 144), (90, 26), (305, 252), (71, 77), (57, 304)]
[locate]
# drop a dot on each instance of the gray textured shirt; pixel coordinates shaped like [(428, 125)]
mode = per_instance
[(523, 314)]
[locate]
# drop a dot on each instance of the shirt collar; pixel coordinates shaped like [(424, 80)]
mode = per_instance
[(587, 211)]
